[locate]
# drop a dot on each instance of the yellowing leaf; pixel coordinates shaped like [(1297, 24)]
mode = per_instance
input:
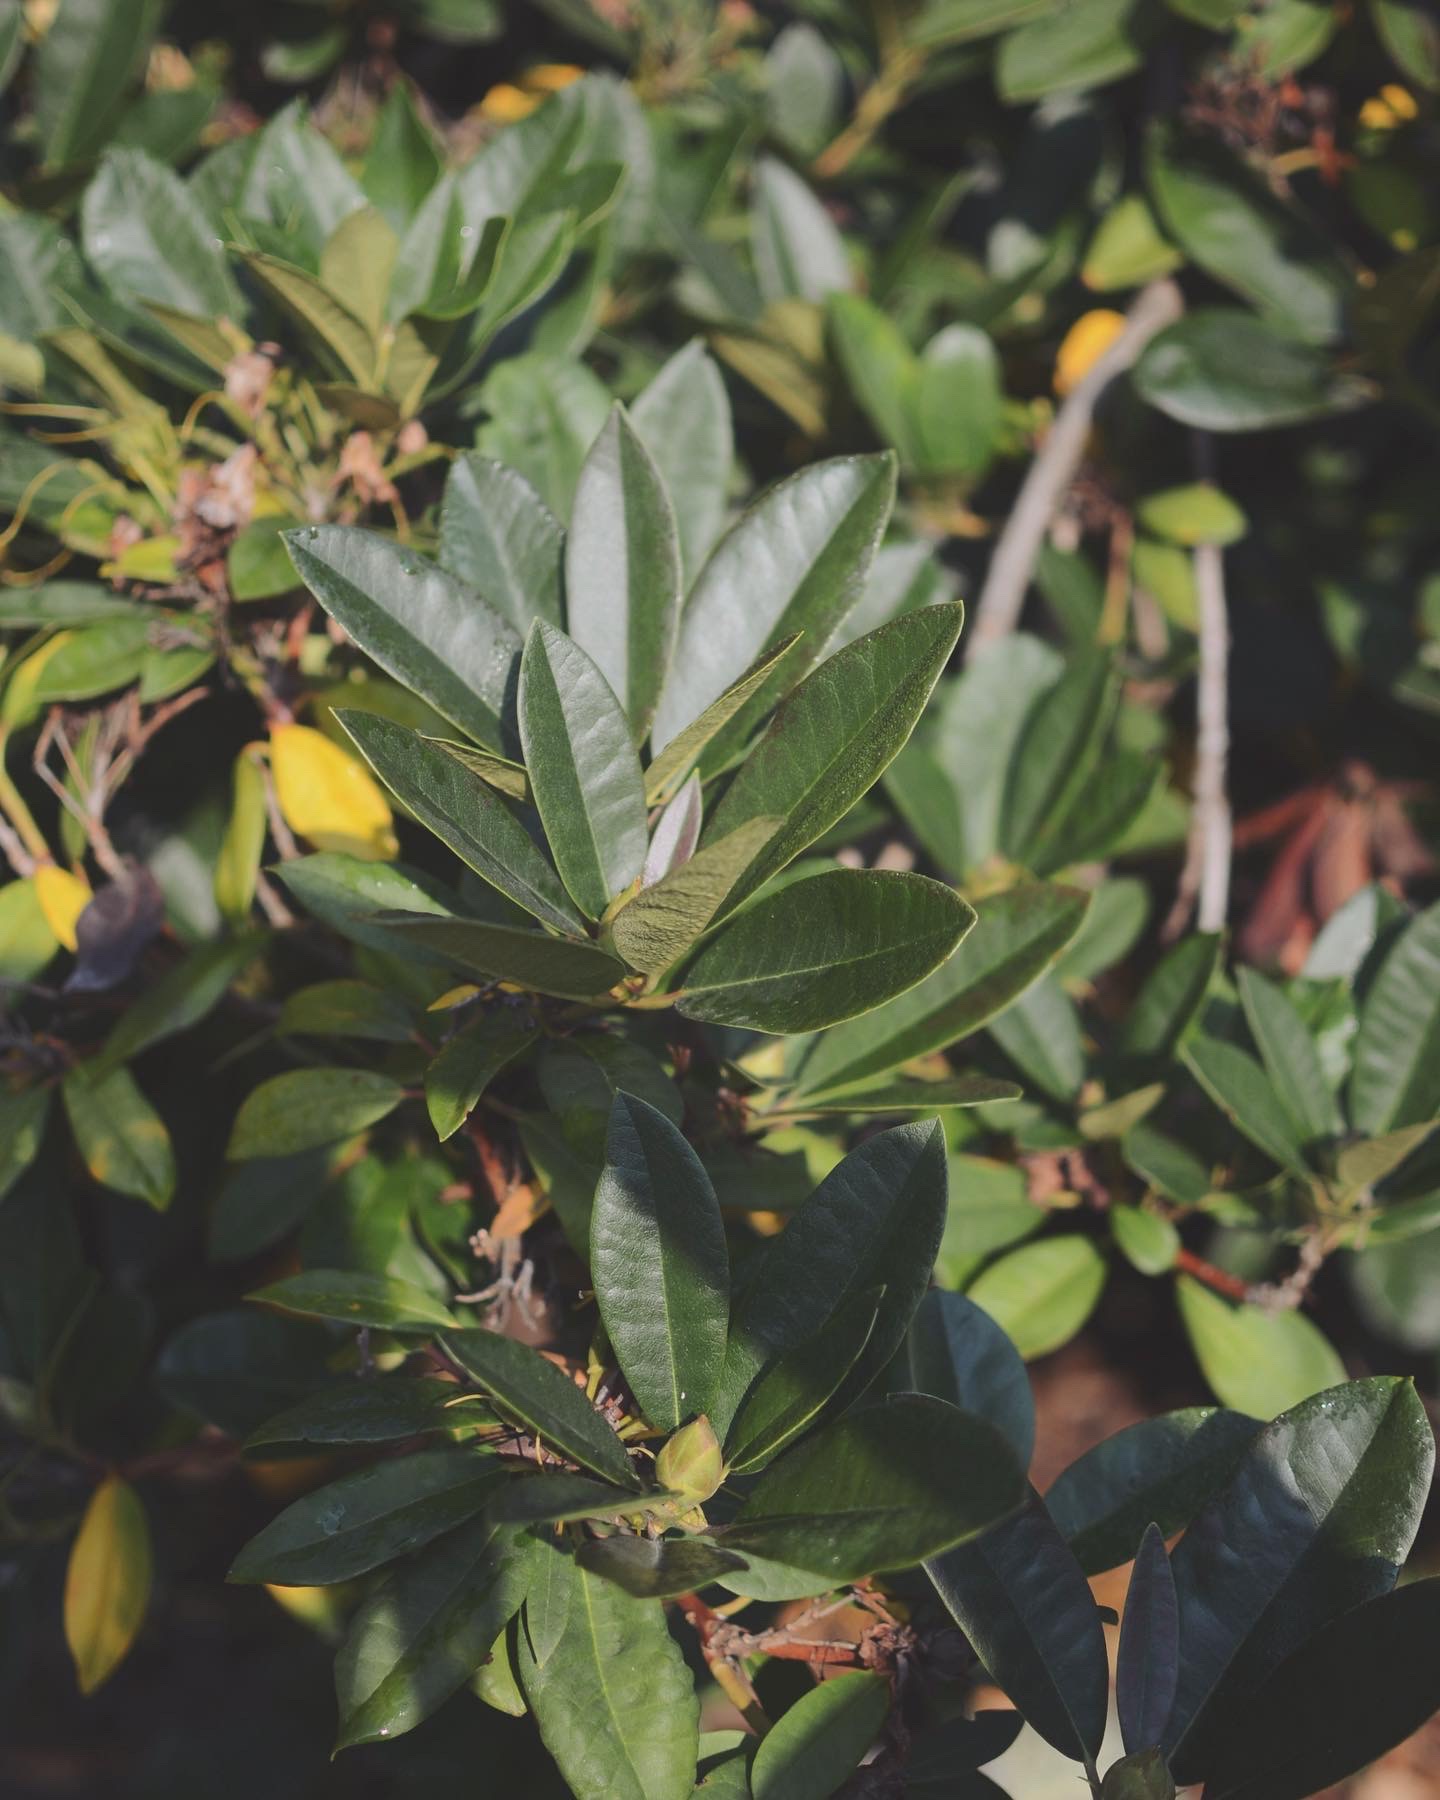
[(1085, 343), (327, 796), (1392, 106), (505, 103), (107, 1582), (63, 897)]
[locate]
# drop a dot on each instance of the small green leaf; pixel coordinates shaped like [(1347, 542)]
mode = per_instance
[(1256, 1361), (363, 1520), (1291, 1058), (306, 1107), (1041, 1294), (1221, 369), (1396, 1079), (1173, 993), (657, 1568), (663, 921), (348, 341), (1195, 514), (682, 416), (660, 1265), (1243, 1092), (22, 1126), (467, 1065), (811, 1749), (548, 1403), (181, 997), (352, 1297), (1147, 1240), (584, 774), (148, 239), (120, 1135)]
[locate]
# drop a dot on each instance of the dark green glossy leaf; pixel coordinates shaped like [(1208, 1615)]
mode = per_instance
[(581, 1075), (353, 1297), (1148, 1666), (622, 569), (824, 949), (1162, 1470), (416, 621), (1339, 1482), (423, 1632), (958, 1353), (795, 1389), (614, 1700), (1167, 1004), (465, 813), (660, 1265), (816, 1743), (467, 1065), (499, 538), (377, 1411), (521, 1382), (308, 1107), (584, 774), (1016, 936), (1021, 1599), (363, 1520), (530, 959), (657, 1568), (833, 736), (556, 1496), (877, 1490), (1221, 369)]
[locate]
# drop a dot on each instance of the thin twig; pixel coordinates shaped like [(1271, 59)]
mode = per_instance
[(997, 612)]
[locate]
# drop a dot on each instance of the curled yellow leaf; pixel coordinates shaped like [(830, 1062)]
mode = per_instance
[(107, 1582), (327, 796), (63, 897), (1084, 344)]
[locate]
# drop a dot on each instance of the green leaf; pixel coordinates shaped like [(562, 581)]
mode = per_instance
[(1396, 1290), (1256, 1360), (107, 1582), (237, 861), (799, 254), (1040, 1033), (22, 1126), (521, 1382), (959, 403), (798, 1384), (554, 1497), (403, 162), (833, 736), (544, 414), (466, 814), (506, 777), (1021, 1599), (416, 621), (907, 1096), (1220, 369), (824, 949), (660, 1265), (550, 1596), (357, 261), (1340, 1481), (423, 1632), (257, 563), (1243, 1092), (1197, 513), (1041, 1294), (580, 1078), (794, 561), (1148, 1240), (181, 997), (584, 774), (351, 1297), (657, 1568), (347, 1008), (346, 340), (811, 1749), (881, 368), (1291, 1058), (382, 1410), (1127, 248), (351, 895), (530, 959), (941, 23), (1148, 1665), (1016, 936), (468, 1063), (500, 539), (1173, 993), (663, 921), (1361, 1685), (306, 1107), (148, 239), (874, 1221), (119, 1134), (363, 1520), (1396, 1076), (958, 1353), (614, 1701), (1057, 750), (877, 1490), (622, 569), (84, 67), (1094, 822), (682, 416), (1163, 1469), (1409, 31), (1083, 45), (669, 771)]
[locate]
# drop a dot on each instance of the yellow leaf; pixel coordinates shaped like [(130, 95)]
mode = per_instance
[(327, 796), (17, 707), (63, 897), (549, 78), (505, 103), (1085, 343), (1391, 107), (107, 1583)]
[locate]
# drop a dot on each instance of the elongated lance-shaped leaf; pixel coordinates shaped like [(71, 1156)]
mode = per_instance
[(662, 922), (1243, 1092), (343, 339), (670, 769), (467, 1065), (682, 416), (1019, 1596), (356, 1297), (614, 1701), (1015, 937), (498, 536), (795, 561), (795, 1389), (622, 569), (958, 1353), (1396, 1078), (466, 814), (523, 1383), (833, 736), (366, 1412), (1339, 1483), (815, 1745), (423, 1632), (657, 1568), (531, 959), (660, 1265), (1291, 1058), (584, 774), (421, 625), (1148, 1667), (504, 776), (1057, 750), (824, 949)]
